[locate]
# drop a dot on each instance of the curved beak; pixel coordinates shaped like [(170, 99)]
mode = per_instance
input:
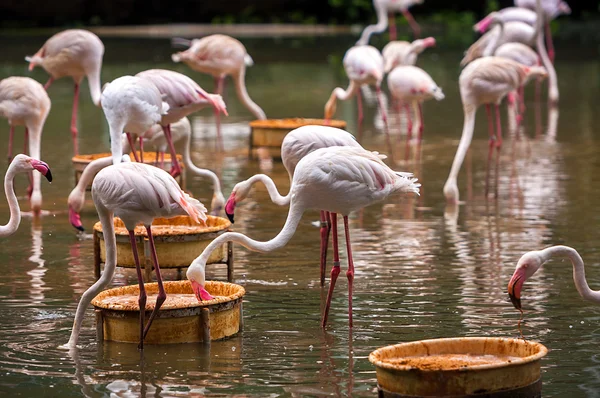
[(230, 208), (200, 292), (75, 219), (43, 168), (429, 42), (515, 285)]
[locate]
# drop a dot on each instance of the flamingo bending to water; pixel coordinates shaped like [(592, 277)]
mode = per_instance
[(397, 53), (136, 193), (23, 101), (296, 145), (20, 164), (385, 10), (336, 179), (75, 53), (530, 262)]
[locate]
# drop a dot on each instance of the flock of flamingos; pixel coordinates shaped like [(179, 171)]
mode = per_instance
[(328, 169)]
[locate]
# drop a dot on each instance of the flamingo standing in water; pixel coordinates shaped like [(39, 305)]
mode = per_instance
[(23, 101), (485, 81), (220, 56), (385, 10), (136, 193), (397, 53), (336, 179), (530, 262), (363, 65), (296, 145), (184, 97), (75, 53), (20, 164)]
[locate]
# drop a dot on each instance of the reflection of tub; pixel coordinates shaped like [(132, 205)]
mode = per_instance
[(181, 319), (464, 366), (81, 161), (179, 240), (270, 133)]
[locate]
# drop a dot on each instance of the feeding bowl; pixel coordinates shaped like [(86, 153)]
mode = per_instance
[(179, 240), (460, 367), (181, 319), (270, 133), (80, 162)]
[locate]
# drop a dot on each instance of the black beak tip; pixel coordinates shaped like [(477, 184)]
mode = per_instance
[(516, 302), (48, 175), (230, 217), (79, 228)]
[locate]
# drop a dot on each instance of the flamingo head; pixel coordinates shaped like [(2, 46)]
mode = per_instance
[(24, 164), (217, 204), (240, 192), (533, 72), (330, 108), (451, 192), (528, 264), (197, 278), (564, 8), (215, 100), (483, 25), (75, 219), (422, 44)]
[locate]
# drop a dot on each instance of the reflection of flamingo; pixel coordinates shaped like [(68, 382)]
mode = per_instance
[(20, 164), (184, 97), (76, 53), (397, 53), (296, 144), (336, 179), (530, 262), (136, 193), (385, 7), (23, 101), (219, 56), (485, 81)]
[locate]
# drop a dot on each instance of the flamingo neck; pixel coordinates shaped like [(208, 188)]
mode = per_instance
[(578, 270), (13, 204), (451, 187), (77, 195), (541, 47), (276, 197), (187, 161), (495, 40), (382, 24), (346, 94), (35, 137), (242, 93), (94, 83), (116, 143)]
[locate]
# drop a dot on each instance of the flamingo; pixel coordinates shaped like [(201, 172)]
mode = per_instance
[(20, 164), (411, 84), (384, 10), (23, 101), (485, 81), (133, 105), (296, 145), (220, 56), (184, 97), (530, 262), (335, 179), (363, 65), (136, 193), (397, 53), (75, 53)]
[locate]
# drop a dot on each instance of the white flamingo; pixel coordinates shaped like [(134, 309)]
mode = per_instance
[(385, 10), (397, 53)]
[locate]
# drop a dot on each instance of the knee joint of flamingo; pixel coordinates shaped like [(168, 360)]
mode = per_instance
[(350, 275)]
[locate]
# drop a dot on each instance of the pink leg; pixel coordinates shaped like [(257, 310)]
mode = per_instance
[(385, 123), (549, 43), (538, 109), (175, 169), (488, 112), (421, 123), (11, 135), (132, 145), (142, 296), (350, 272), (413, 24), (498, 146), (360, 107), (26, 152), (141, 150), (219, 84), (409, 127), (392, 25), (162, 295), (335, 271), (162, 160), (74, 119), (156, 158), (48, 83), (325, 230)]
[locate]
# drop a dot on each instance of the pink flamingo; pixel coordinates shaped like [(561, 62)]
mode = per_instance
[(136, 193), (397, 53), (20, 164), (220, 56), (75, 53), (485, 81), (363, 65), (530, 262), (184, 97), (23, 101), (296, 145), (385, 10), (411, 84), (336, 179)]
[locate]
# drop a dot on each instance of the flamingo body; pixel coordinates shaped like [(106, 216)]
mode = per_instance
[(512, 31), (410, 83)]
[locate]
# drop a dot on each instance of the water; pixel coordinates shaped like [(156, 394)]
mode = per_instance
[(422, 271)]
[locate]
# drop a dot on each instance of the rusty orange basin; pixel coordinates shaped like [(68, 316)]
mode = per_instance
[(181, 319)]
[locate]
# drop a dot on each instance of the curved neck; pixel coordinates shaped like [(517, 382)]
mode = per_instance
[(13, 204), (242, 93), (578, 270), (108, 231), (382, 24), (463, 147), (342, 94), (116, 145), (86, 179), (94, 83), (495, 40), (541, 47), (276, 197), (187, 161)]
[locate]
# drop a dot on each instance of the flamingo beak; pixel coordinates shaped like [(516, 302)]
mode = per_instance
[(230, 208), (483, 25), (200, 292), (219, 106), (515, 285), (75, 219), (43, 168), (429, 42)]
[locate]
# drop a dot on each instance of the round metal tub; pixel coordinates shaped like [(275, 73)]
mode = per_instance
[(179, 240), (460, 367), (270, 133), (80, 162), (181, 319)]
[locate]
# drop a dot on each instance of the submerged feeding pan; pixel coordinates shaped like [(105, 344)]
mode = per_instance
[(179, 240), (181, 319), (270, 133), (460, 367), (80, 162)]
